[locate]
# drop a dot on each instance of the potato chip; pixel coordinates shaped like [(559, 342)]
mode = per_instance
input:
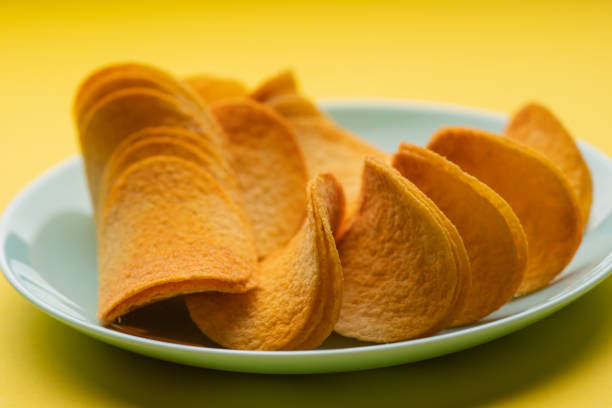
[(327, 147), (293, 105), (537, 191), (122, 76), (297, 299), (124, 112), (282, 83), (167, 142), (167, 229), (536, 127), (198, 141), (329, 200), (464, 271), (270, 170), (213, 89), (464, 278), (491, 232), (405, 267)]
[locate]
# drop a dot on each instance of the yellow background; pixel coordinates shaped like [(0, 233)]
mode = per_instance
[(487, 54)]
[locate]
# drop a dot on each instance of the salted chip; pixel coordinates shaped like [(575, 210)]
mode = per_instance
[(464, 274), (293, 105), (536, 127), (327, 147), (270, 170), (167, 229), (213, 89), (328, 199), (124, 112), (491, 232), (406, 272), (123, 76), (176, 142), (298, 297), (283, 83), (464, 270), (537, 191), (196, 140)]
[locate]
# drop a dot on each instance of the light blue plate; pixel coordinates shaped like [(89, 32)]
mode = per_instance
[(48, 254)]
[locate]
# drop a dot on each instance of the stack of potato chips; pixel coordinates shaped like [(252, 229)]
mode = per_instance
[(277, 226)]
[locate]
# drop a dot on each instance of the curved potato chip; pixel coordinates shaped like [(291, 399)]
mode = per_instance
[(122, 76), (270, 170), (213, 89), (464, 270), (404, 273), (169, 142), (491, 232), (293, 305), (113, 69), (124, 112), (282, 83), (537, 191), (167, 229), (327, 147), (196, 140), (293, 105), (536, 127), (329, 202)]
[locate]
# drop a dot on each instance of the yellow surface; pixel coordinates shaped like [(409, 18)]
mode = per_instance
[(487, 54)]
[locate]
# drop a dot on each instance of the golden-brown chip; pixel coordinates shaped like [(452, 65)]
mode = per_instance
[(293, 105), (464, 274), (167, 229), (491, 232), (329, 204), (167, 142), (122, 76), (293, 306), (537, 191), (198, 141), (124, 112), (536, 127), (282, 83), (402, 274), (327, 147), (213, 89), (269, 167), (120, 160), (464, 270)]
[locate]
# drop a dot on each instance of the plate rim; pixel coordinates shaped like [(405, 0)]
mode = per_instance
[(472, 335)]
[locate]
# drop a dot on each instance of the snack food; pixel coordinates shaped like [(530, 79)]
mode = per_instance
[(213, 89), (326, 146), (201, 189), (123, 76), (282, 83), (297, 299), (406, 272), (270, 170), (167, 141), (537, 127), (168, 228), (537, 191), (126, 111), (492, 234)]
